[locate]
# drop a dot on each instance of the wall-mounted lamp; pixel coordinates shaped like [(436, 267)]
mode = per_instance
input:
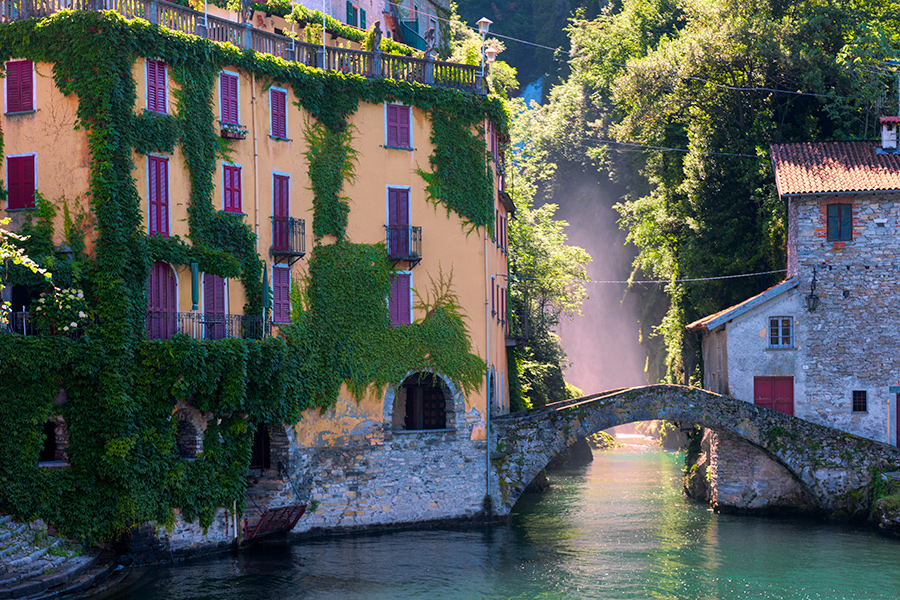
[(812, 301)]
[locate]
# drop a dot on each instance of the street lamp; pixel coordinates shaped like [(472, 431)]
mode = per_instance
[(812, 301), (483, 25)]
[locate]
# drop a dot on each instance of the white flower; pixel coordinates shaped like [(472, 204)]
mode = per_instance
[(81, 314), (66, 328), (73, 324)]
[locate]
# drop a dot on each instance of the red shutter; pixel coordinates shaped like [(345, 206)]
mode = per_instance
[(279, 113), (229, 98), (403, 126), (399, 299), (281, 279), (493, 296), (161, 302), (281, 212), (393, 134), (231, 190), (158, 175), (214, 306), (21, 182), (19, 82), (156, 86), (776, 393)]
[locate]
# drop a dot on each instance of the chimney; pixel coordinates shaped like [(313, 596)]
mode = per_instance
[(889, 134)]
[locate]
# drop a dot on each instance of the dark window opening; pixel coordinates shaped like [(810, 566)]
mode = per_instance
[(840, 222), (55, 442), (260, 455), (860, 401), (426, 407), (187, 439)]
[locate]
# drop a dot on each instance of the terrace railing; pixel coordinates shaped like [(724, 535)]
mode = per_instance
[(288, 237), (179, 18), (404, 242), (162, 325)]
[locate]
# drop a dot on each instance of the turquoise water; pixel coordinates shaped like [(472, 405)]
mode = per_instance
[(618, 529)]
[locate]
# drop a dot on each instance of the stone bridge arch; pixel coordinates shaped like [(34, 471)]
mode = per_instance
[(833, 466)]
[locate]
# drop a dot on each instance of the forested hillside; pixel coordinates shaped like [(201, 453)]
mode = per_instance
[(679, 101)]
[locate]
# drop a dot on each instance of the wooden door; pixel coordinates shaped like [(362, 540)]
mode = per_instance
[(214, 306), (776, 393), (398, 222), (281, 211)]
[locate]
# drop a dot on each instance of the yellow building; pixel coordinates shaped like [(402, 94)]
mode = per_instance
[(274, 168)]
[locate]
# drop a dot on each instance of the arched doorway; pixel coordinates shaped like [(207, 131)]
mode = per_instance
[(424, 402)]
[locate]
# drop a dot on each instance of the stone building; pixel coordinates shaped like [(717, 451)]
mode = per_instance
[(824, 344)]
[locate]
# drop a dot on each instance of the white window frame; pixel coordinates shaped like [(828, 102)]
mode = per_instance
[(272, 114), (409, 108), (272, 290), (411, 288), (168, 187), (219, 88), (779, 346), (6, 161), (272, 194), (33, 95)]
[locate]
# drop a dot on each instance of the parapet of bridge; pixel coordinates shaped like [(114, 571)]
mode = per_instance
[(833, 468)]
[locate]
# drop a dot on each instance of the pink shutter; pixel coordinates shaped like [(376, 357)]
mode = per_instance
[(393, 134), (493, 296), (156, 86), (21, 182), (279, 113), (403, 126), (26, 70), (19, 81), (214, 306), (161, 302), (159, 195), (229, 98), (281, 278), (399, 299), (231, 190)]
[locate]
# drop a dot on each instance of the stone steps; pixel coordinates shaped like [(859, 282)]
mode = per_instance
[(75, 575)]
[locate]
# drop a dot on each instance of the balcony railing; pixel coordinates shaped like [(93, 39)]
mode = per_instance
[(288, 237), (404, 243), (162, 325), (17, 322), (179, 18)]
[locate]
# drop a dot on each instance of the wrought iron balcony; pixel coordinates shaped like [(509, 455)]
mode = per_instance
[(162, 325), (17, 322), (288, 239), (404, 242)]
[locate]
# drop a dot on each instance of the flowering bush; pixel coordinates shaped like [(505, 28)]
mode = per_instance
[(62, 311)]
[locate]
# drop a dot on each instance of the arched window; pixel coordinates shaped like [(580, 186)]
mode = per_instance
[(187, 439), (426, 405)]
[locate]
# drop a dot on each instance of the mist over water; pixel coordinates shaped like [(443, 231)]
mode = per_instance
[(602, 344)]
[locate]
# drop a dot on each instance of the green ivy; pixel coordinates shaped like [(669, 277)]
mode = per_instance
[(118, 389)]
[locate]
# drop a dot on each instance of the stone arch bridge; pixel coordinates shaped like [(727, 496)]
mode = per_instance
[(833, 467)]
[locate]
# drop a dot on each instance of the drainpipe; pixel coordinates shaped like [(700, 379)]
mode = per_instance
[(487, 374), (255, 157)]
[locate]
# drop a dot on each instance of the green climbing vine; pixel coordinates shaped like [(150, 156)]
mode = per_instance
[(116, 390)]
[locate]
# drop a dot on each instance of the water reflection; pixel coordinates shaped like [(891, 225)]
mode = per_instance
[(617, 529)]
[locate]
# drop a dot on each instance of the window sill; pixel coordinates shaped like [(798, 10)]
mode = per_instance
[(233, 212), (777, 349), (53, 464), (407, 148), (150, 111), (20, 209), (279, 138), (21, 112)]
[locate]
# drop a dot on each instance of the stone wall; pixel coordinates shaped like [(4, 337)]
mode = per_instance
[(853, 338)]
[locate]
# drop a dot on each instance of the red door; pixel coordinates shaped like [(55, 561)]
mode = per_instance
[(281, 212), (161, 302), (398, 222), (214, 306), (776, 393)]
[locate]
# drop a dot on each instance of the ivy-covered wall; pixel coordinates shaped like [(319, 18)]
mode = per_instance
[(117, 390)]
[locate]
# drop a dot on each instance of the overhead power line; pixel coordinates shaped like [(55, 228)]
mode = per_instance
[(696, 279), (664, 148)]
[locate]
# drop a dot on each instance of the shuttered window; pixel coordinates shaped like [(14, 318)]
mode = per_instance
[(281, 293), (281, 185), (161, 302), (278, 102), (214, 306), (20, 181), (158, 175), (228, 86), (398, 126), (776, 393), (156, 86), (231, 189), (399, 301), (19, 86)]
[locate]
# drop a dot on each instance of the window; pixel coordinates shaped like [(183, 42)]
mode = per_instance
[(840, 222), (161, 302), (776, 393), (214, 310), (231, 188), (356, 16), (493, 296), (860, 401), (20, 179), (426, 405), (281, 296), (399, 302), (281, 211), (158, 176), (228, 88), (19, 86), (156, 86), (398, 126), (56, 439), (278, 103), (398, 223), (781, 332)]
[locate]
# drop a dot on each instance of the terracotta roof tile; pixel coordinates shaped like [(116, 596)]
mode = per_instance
[(834, 167)]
